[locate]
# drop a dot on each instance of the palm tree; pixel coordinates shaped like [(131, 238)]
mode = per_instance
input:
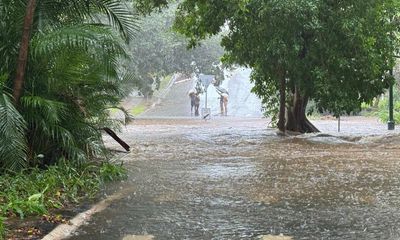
[(71, 78), (118, 16), (23, 52)]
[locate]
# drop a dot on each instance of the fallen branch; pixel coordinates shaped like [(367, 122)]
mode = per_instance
[(116, 138)]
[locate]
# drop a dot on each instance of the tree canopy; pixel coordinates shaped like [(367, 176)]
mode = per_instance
[(337, 53), (159, 51)]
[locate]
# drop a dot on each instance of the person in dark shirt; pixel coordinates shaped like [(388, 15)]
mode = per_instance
[(196, 104)]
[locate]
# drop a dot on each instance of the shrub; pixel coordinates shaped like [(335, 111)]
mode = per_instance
[(383, 111), (34, 191), (2, 228)]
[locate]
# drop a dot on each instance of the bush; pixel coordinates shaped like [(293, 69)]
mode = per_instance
[(111, 172), (383, 111), (35, 191), (2, 228)]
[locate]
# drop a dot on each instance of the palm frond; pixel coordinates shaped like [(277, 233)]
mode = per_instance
[(13, 147), (97, 38), (120, 16), (72, 77), (47, 109), (115, 13), (11, 19)]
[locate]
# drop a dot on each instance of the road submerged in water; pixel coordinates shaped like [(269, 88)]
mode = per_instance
[(237, 179)]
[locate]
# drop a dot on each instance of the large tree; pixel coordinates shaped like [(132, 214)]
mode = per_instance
[(337, 53)]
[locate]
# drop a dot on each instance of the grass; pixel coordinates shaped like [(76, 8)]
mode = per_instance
[(138, 109), (314, 116), (143, 106), (164, 82), (34, 192)]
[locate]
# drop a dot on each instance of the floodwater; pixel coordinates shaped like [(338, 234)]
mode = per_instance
[(236, 179)]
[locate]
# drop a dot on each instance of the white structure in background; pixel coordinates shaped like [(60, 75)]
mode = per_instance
[(206, 80), (242, 102)]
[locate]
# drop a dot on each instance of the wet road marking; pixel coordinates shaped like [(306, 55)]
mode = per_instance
[(138, 237), (275, 237)]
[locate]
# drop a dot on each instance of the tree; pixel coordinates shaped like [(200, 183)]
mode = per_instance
[(85, 8), (148, 6), (161, 52), (337, 53), (72, 78), (23, 52)]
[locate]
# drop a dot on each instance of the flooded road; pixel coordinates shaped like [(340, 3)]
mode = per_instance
[(236, 179)]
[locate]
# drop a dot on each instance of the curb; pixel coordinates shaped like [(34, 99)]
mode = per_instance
[(63, 231)]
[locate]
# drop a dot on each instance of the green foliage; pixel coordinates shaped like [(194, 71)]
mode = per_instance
[(73, 77), (160, 52), (148, 6), (383, 111), (111, 172), (35, 191), (336, 53), (31, 205), (380, 106), (2, 228), (137, 110), (12, 136), (165, 81)]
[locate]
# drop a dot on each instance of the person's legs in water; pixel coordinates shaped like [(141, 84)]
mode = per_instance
[(196, 105), (226, 105), (196, 110), (221, 105), (192, 102), (191, 107)]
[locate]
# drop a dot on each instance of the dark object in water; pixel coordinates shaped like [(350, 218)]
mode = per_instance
[(116, 138)]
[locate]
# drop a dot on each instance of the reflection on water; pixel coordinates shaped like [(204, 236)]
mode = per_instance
[(241, 181)]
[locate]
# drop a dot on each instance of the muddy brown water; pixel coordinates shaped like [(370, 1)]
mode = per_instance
[(237, 179)]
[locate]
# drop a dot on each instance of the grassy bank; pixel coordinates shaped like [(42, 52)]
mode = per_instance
[(35, 192), (138, 109)]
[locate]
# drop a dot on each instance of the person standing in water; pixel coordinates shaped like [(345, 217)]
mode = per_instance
[(192, 96), (223, 103), (196, 104)]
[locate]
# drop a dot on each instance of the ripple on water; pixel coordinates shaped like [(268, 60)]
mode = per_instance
[(237, 183), (225, 170)]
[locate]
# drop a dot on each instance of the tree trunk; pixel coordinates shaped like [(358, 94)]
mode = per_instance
[(23, 51), (282, 102), (296, 115)]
